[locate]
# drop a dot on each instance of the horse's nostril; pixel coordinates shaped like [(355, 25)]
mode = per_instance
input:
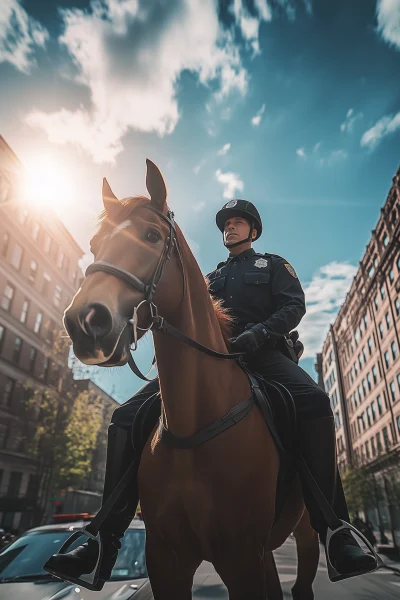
[(96, 320)]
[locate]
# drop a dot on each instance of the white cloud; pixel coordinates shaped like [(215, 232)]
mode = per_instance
[(333, 158), (199, 206), (224, 150), (325, 295), (385, 126), (351, 118), (131, 55), (19, 34), (198, 167), (256, 120), (248, 24), (301, 152), (388, 16), (230, 181), (317, 147)]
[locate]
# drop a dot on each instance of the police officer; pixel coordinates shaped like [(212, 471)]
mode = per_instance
[(267, 301)]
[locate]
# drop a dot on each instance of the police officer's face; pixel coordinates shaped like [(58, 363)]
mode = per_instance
[(236, 228)]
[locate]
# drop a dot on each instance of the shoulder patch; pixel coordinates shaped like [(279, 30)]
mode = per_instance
[(291, 270), (261, 263)]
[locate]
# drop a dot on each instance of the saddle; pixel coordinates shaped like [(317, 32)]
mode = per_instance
[(277, 407)]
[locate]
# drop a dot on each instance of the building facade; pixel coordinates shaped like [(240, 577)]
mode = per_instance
[(360, 356), (39, 274)]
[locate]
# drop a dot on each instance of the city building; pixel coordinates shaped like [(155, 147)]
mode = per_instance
[(39, 274), (361, 367)]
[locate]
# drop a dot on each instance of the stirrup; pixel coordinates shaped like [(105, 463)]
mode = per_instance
[(91, 581), (333, 574)]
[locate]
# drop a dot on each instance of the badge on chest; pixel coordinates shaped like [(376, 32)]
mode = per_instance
[(261, 263)]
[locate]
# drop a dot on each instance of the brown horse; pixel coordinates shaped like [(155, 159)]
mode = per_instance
[(215, 501)]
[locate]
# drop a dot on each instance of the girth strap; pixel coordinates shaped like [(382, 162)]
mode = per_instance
[(235, 415)]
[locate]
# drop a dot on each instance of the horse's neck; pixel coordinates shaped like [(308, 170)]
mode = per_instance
[(196, 389)]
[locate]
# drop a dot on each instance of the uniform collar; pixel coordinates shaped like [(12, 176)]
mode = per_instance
[(242, 256)]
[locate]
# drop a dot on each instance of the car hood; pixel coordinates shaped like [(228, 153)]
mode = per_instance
[(58, 590)]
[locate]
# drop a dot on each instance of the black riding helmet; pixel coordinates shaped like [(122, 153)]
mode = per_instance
[(239, 208)]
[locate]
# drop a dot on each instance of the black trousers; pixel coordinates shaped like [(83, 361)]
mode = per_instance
[(310, 400)]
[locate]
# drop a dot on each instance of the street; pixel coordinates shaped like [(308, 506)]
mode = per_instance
[(382, 585)]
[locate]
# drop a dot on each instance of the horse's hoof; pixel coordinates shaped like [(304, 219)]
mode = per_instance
[(302, 594)]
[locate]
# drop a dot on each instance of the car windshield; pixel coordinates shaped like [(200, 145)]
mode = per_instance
[(24, 559)]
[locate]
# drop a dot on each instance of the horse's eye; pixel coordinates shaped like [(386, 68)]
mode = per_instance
[(153, 236)]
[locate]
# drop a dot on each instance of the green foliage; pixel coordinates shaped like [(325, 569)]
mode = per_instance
[(360, 490), (65, 428)]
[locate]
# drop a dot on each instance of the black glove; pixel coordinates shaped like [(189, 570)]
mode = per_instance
[(251, 339)]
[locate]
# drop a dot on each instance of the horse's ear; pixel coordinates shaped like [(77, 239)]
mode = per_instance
[(156, 185), (110, 201)]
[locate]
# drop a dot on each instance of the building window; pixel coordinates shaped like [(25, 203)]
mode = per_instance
[(369, 381), (378, 442), (8, 297), (60, 258), (33, 270), (364, 353), (369, 416), (32, 359), (386, 240), (398, 424), (17, 350), (386, 357), (373, 411), (398, 264), (382, 291), (379, 401), (387, 318), (394, 350), (23, 215), (369, 346), (38, 322), (386, 438), (398, 381), (16, 256), (3, 437), (8, 391), (46, 284), (371, 271), (376, 303), (46, 369), (47, 243), (24, 311), (360, 361), (364, 387), (367, 449), (35, 230), (380, 327), (391, 275), (2, 332), (57, 295), (14, 484), (397, 307), (373, 449), (5, 244), (392, 391)]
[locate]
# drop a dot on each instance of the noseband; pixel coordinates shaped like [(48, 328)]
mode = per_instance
[(157, 322)]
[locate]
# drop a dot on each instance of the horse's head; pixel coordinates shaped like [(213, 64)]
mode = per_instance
[(132, 248)]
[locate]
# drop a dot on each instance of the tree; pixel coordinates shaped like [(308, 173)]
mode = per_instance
[(360, 490), (65, 429)]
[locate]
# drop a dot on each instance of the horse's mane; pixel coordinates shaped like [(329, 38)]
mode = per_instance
[(104, 226)]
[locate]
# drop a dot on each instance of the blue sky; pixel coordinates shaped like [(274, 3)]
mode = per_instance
[(294, 105)]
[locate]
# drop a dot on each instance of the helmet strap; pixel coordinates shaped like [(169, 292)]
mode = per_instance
[(248, 239)]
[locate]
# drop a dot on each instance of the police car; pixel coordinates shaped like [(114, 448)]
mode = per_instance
[(22, 576)]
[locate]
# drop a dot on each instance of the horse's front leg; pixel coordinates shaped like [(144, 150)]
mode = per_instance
[(170, 573), (250, 574)]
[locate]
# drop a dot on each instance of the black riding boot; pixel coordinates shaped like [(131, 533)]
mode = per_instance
[(83, 559), (318, 447)]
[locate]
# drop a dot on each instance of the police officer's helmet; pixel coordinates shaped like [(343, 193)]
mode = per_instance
[(239, 208)]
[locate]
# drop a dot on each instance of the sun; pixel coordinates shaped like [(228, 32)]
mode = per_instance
[(47, 183)]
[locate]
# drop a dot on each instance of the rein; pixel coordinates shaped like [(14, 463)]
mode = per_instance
[(158, 323)]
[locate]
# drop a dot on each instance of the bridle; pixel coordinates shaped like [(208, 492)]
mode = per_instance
[(158, 323)]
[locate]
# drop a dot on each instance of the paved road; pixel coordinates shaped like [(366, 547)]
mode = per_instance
[(382, 585)]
